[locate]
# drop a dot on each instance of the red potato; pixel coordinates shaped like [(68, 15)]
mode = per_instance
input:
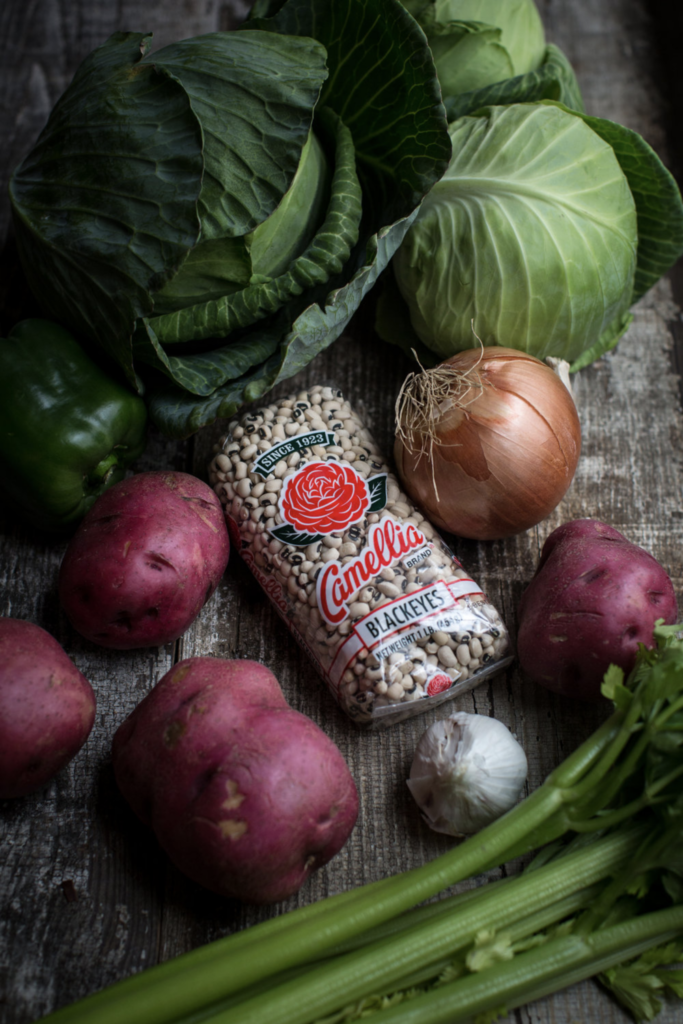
[(245, 795), (47, 708), (595, 596), (144, 560)]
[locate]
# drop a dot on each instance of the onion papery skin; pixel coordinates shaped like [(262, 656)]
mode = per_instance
[(507, 453)]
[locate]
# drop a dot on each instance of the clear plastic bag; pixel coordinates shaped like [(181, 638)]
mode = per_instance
[(363, 581)]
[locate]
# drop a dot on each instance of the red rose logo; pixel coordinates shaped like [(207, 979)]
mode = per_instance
[(324, 497), (439, 683)]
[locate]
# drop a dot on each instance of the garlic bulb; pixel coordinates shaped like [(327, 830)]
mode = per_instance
[(467, 771)]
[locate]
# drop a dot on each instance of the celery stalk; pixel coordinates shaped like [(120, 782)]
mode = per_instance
[(385, 963), (539, 972)]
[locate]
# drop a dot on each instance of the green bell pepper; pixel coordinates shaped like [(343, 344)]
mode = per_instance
[(67, 430)]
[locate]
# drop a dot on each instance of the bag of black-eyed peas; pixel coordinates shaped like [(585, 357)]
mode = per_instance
[(391, 619)]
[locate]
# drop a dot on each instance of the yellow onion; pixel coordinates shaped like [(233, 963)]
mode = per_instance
[(487, 442)]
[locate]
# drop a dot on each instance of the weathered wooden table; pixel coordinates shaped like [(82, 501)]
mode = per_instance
[(86, 896)]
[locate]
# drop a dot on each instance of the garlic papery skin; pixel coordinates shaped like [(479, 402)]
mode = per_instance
[(467, 771)]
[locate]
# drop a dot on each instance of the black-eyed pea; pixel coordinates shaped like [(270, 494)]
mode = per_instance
[(395, 691), (400, 510), (388, 589), (476, 648), (447, 657), (462, 653), (248, 452)]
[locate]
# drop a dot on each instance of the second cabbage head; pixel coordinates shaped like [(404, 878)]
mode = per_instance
[(546, 227)]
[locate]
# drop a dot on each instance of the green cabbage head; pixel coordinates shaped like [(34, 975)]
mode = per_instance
[(510, 41), (493, 52), (211, 214), (530, 238), (547, 226)]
